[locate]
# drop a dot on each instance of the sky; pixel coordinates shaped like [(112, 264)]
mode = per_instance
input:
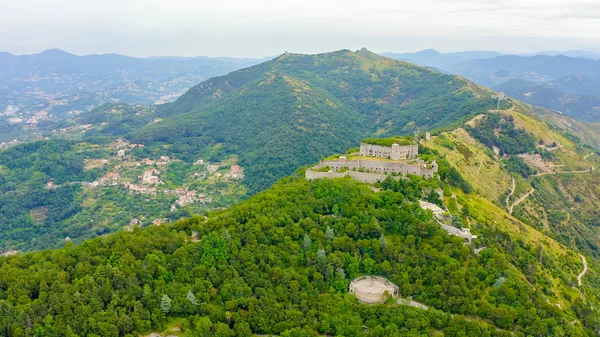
[(259, 28)]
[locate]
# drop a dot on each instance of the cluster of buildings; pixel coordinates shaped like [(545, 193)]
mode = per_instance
[(150, 178), (110, 179), (187, 197), (5, 145), (236, 172)]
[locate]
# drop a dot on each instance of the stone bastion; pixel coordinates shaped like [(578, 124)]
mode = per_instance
[(372, 289)]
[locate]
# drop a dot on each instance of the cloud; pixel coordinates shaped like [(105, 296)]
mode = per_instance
[(267, 27)]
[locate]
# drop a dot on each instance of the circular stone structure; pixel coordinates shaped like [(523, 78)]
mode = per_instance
[(372, 289)]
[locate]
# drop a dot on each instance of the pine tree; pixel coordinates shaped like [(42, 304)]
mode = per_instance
[(307, 242), (382, 241), (329, 233), (192, 297), (165, 304)]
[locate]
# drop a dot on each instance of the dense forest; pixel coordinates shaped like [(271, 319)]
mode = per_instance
[(280, 263)]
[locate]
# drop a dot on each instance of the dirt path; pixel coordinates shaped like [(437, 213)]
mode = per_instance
[(512, 191), (518, 201), (480, 163), (583, 271), (580, 171)]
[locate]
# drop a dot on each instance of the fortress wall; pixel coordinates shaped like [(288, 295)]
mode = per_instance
[(369, 178), (407, 151), (380, 166), (310, 175), (369, 298), (395, 152), (428, 173), (336, 165), (411, 169)]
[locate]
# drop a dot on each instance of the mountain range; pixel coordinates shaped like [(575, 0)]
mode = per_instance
[(568, 82), (44, 88), (314, 105)]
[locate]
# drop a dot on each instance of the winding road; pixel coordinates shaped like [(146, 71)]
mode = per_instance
[(518, 201), (583, 271), (512, 191)]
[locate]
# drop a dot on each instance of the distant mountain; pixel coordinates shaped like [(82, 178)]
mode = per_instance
[(433, 58), (564, 81), (108, 66), (583, 107), (540, 68), (570, 53), (577, 84), (48, 86)]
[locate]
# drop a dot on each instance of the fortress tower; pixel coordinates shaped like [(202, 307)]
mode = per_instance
[(394, 152)]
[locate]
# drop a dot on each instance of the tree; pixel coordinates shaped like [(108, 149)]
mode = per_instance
[(329, 233), (165, 304), (192, 297), (382, 241), (307, 242)]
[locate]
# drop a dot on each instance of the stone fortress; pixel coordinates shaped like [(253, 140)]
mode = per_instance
[(368, 168), (373, 289), (376, 162)]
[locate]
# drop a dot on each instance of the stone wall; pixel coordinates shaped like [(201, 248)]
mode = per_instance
[(381, 167), (369, 178), (310, 175)]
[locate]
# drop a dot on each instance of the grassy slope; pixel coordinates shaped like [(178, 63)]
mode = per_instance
[(550, 218)]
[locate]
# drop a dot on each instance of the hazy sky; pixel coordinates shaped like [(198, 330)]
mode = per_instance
[(256, 28)]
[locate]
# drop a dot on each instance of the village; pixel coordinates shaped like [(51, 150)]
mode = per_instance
[(154, 178)]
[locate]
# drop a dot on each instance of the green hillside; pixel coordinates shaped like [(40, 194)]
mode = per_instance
[(269, 119), (280, 263), (290, 111)]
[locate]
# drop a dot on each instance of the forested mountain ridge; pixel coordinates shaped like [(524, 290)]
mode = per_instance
[(289, 111), (266, 121), (280, 262), (269, 119)]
